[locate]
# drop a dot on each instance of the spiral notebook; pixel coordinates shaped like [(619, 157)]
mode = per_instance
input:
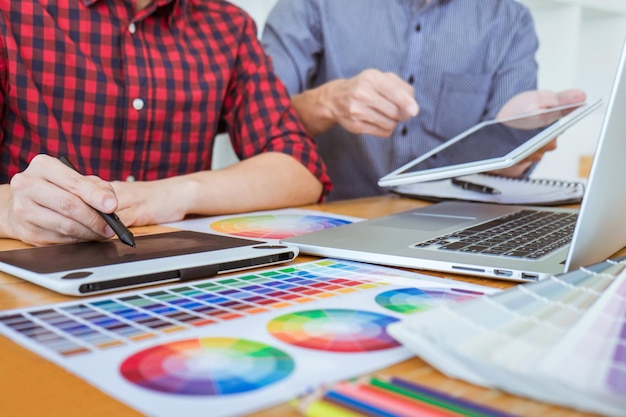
[(489, 188)]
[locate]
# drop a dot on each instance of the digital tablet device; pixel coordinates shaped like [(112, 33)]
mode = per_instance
[(473, 151), (96, 267)]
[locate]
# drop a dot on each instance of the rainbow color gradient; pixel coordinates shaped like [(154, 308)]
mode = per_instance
[(334, 330), (274, 226), (207, 366), (411, 300)]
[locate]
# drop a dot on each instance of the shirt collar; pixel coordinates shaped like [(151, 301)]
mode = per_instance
[(418, 6), (159, 3), (179, 8)]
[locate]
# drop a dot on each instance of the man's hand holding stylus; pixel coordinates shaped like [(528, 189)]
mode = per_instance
[(49, 203)]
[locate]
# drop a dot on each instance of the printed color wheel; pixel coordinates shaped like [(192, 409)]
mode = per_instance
[(274, 226), (207, 366), (410, 300), (334, 330)]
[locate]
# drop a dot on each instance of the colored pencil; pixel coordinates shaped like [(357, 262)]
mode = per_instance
[(390, 397), (390, 401), (356, 405), (421, 393), (322, 408)]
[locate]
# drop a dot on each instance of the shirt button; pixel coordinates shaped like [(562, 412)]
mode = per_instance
[(138, 104), (411, 79), (404, 131), (132, 28), (418, 27), (130, 178)]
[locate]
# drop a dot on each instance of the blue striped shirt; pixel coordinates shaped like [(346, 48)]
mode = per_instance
[(464, 58)]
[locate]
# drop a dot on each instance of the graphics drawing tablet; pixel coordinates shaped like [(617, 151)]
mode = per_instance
[(87, 268), (473, 151)]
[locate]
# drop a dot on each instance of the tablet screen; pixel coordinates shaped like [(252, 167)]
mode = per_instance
[(497, 141), (58, 258)]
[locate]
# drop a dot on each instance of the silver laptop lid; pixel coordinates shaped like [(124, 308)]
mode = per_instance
[(601, 227)]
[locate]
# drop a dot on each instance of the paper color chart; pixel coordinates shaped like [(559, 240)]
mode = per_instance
[(266, 225), (229, 344)]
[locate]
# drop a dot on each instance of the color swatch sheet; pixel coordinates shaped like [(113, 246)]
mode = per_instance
[(231, 345), (266, 225), (561, 340)]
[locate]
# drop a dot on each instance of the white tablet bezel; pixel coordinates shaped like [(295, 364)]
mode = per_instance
[(400, 176)]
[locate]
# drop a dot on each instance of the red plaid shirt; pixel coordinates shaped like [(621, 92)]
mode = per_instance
[(141, 94)]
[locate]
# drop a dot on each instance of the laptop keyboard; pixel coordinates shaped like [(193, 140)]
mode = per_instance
[(529, 234)]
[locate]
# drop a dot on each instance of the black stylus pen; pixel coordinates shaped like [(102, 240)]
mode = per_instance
[(125, 235)]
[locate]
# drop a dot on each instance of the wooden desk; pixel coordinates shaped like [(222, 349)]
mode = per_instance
[(32, 386)]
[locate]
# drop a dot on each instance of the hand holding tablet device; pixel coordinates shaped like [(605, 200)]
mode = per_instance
[(473, 151)]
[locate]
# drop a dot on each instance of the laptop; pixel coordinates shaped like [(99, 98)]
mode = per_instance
[(436, 237), (88, 268)]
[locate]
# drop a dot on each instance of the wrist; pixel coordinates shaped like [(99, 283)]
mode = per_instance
[(6, 200), (315, 108), (187, 193)]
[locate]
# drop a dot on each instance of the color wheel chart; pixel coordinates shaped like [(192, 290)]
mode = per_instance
[(411, 300), (232, 344), (334, 330), (266, 225), (207, 366)]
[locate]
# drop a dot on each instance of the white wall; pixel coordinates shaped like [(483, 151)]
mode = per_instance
[(257, 9), (580, 43), (223, 154)]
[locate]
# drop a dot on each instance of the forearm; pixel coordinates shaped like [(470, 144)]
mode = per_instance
[(266, 181)]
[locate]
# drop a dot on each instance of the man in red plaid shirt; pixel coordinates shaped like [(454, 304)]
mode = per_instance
[(133, 92)]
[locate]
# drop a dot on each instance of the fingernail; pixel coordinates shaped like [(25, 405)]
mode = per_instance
[(109, 204)]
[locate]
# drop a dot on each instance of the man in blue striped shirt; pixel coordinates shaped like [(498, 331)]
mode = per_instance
[(359, 70)]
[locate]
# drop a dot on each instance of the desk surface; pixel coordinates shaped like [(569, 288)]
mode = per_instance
[(32, 386)]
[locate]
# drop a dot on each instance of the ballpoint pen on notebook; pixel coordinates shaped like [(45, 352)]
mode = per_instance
[(125, 235), (472, 186)]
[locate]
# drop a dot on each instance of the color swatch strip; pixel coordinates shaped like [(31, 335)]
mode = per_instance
[(82, 327), (561, 340)]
